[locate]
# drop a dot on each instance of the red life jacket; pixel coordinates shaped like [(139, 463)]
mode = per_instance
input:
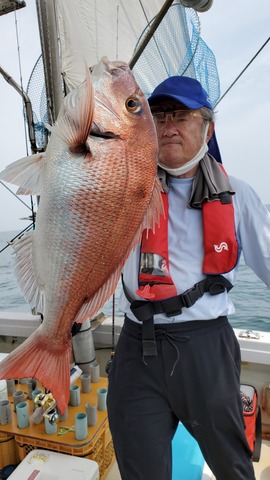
[(220, 249)]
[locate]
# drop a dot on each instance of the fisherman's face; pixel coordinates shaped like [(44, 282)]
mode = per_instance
[(180, 133)]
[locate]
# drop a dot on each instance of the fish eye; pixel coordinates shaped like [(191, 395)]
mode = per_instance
[(133, 105)]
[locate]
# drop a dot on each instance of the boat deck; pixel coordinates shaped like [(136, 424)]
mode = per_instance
[(262, 468)]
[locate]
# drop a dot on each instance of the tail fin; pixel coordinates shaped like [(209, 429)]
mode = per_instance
[(38, 359)]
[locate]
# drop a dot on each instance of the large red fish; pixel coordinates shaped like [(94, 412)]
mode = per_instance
[(98, 189)]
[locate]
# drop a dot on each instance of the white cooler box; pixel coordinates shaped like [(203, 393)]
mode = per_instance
[(47, 465)]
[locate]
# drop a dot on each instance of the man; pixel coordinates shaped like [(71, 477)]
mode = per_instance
[(177, 358)]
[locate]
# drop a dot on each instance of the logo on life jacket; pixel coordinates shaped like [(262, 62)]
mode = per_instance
[(222, 246)]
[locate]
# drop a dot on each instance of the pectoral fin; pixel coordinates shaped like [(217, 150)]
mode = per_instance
[(27, 173)]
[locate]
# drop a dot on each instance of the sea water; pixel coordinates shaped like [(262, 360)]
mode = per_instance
[(250, 295)]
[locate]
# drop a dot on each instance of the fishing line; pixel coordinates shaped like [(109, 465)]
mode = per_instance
[(17, 236), (20, 72), (18, 198), (30, 227), (117, 32), (241, 73)]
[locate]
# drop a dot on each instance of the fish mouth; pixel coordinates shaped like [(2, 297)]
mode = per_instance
[(97, 133)]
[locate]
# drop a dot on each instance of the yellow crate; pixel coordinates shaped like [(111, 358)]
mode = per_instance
[(98, 445), (103, 453), (100, 450), (8, 450)]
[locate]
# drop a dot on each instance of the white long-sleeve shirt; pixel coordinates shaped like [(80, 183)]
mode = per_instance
[(186, 253)]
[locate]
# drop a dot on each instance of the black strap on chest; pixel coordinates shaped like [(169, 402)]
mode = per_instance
[(144, 310)]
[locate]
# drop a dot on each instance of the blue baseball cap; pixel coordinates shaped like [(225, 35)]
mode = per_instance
[(185, 90)]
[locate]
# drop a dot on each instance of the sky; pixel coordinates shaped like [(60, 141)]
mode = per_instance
[(233, 29)]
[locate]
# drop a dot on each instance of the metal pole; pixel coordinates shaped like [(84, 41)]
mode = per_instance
[(28, 109), (150, 32), (50, 56)]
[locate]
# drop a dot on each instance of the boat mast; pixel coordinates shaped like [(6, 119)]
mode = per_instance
[(50, 55)]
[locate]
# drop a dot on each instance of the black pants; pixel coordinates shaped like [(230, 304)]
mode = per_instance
[(193, 379)]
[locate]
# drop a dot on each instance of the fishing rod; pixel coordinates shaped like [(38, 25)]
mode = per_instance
[(150, 32), (17, 236), (31, 217), (28, 108), (14, 194)]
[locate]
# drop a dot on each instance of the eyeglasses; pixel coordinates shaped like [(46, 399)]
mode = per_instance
[(178, 117)]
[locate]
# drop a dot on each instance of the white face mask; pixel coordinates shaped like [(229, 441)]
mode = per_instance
[(189, 165)]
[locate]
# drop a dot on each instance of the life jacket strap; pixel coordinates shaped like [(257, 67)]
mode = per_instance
[(144, 311)]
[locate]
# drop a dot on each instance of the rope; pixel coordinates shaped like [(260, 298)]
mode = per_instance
[(240, 74), (64, 430)]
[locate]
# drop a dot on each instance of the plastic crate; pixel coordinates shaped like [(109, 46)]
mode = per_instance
[(103, 452), (100, 449), (8, 450)]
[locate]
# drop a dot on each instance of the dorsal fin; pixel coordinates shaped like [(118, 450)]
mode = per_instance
[(76, 117)]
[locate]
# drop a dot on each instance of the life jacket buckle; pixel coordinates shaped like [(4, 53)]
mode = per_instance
[(190, 296)]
